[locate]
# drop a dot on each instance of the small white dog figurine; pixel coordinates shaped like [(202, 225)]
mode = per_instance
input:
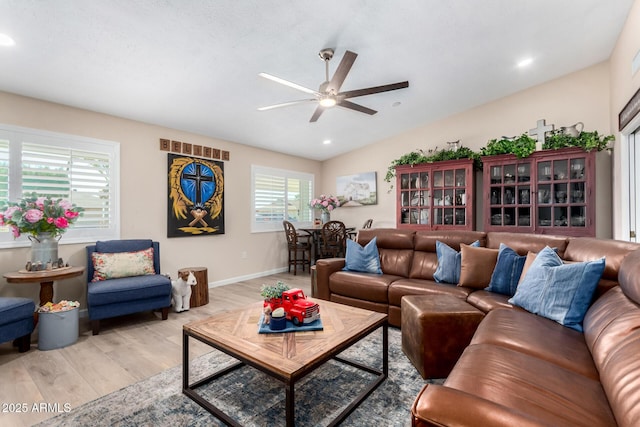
[(181, 290)]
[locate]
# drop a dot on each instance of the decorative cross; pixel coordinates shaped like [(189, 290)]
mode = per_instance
[(540, 131), (198, 179)]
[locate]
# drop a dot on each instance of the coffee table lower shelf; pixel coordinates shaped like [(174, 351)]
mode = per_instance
[(289, 383)]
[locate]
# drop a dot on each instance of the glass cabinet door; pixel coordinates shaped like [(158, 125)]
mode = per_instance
[(414, 198), (561, 193), (510, 194), (436, 195), (450, 197)]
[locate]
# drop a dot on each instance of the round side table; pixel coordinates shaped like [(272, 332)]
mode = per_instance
[(45, 278)]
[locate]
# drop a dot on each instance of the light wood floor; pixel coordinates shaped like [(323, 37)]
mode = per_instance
[(128, 349)]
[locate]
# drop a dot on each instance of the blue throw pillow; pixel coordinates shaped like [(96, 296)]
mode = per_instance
[(557, 291), (449, 263), (365, 260), (506, 274)]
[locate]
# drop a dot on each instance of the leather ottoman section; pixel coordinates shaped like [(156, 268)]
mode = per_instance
[(435, 331), (363, 286), (353, 302), (395, 316), (543, 390), (538, 337), (487, 301), (405, 287)]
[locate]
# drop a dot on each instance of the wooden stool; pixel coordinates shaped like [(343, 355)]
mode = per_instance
[(435, 331), (200, 292)]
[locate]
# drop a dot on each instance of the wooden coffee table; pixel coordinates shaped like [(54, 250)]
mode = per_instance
[(287, 357)]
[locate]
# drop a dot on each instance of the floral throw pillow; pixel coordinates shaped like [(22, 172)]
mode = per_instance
[(122, 264)]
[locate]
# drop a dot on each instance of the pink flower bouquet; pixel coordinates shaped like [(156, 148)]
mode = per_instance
[(325, 203), (36, 215)]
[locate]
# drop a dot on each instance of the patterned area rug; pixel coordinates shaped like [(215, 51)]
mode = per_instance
[(254, 399)]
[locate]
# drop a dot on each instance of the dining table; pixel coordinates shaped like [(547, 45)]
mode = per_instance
[(316, 234)]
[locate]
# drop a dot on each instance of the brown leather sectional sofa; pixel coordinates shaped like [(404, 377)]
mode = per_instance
[(520, 368)]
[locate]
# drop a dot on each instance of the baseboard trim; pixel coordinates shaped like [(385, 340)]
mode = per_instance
[(247, 277)]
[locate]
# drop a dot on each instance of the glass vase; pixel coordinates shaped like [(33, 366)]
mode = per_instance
[(325, 217)]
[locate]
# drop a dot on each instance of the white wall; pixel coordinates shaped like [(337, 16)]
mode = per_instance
[(144, 197), (623, 85)]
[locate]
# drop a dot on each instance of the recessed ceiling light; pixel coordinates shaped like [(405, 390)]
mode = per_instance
[(326, 142), (5, 40), (525, 62)]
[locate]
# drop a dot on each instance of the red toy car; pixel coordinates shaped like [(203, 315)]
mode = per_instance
[(297, 307)]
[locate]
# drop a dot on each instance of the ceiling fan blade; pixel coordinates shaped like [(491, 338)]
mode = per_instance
[(357, 107), (288, 83), (316, 114), (285, 104), (372, 90), (341, 72)]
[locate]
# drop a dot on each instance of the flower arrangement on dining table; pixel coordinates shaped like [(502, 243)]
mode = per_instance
[(325, 203), (35, 215)]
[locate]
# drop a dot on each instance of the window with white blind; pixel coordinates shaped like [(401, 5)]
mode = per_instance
[(84, 171), (280, 194)]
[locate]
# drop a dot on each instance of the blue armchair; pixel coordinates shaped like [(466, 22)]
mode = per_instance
[(16, 321), (125, 295)]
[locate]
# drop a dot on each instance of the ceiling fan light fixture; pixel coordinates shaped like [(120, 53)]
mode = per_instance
[(329, 94), (328, 102), (5, 40)]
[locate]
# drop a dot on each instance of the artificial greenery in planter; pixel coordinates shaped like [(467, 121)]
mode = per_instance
[(431, 156), (273, 291), (521, 146), (586, 140)]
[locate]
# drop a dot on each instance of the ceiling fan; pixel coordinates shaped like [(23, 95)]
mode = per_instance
[(329, 95)]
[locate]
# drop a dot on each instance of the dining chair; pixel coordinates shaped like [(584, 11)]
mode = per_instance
[(353, 232), (297, 244), (334, 239)]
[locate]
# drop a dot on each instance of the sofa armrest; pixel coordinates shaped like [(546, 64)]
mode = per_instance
[(324, 268), (443, 406)]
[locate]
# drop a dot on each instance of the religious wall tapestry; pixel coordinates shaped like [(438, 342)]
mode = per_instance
[(196, 196)]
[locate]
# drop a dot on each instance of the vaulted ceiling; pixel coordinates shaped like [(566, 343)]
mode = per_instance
[(194, 65)]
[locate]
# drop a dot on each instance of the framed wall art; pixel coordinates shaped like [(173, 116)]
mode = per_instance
[(196, 196), (357, 190)]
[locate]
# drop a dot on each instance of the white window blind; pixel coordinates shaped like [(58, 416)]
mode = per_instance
[(81, 170), (278, 195), (4, 169)]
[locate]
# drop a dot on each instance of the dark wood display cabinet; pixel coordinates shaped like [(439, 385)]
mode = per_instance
[(549, 192), (435, 196)]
